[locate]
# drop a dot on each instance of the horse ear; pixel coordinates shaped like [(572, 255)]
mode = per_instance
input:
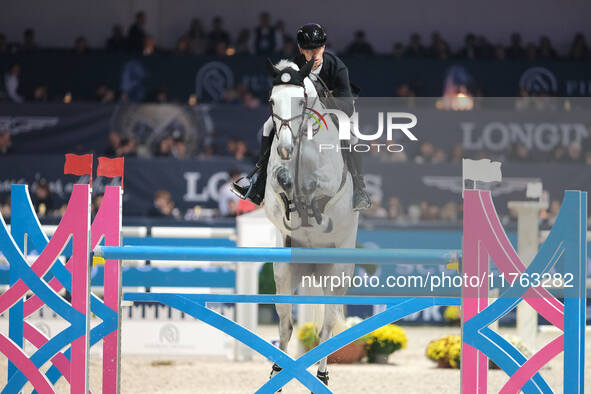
[(305, 70), (274, 71)]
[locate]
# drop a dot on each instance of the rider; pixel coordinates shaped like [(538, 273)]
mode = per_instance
[(330, 73)]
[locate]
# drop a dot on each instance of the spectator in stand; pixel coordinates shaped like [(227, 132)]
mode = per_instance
[(165, 147), (280, 36), (42, 200), (29, 43), (579, 49), (216, 36), (11, 83), (80, 46), (499, 53), (531, 52), (231, 146), (5, 207), (128, 147), (221, 49), (457, 153), (3, 45), (443, 51), (136, 36), (182, 46), (425, 153), (243, 45), (179, 147), (250, 101), (433, 50), (415, 47), (96, 203), (575, 153), (558, 155), (398, 50), (469, 51), (227, 200), (359, 46), (588, 158), (264, 36), (164, 206), (40, 94), (546, 50), (449, 212), (241, 151), (149, 46), (117, 42), (520, 153), (104, 94), (395, 209), (114, 145), (484, 49), (196, 37), (5, 143), (515, 51), (288, 49)]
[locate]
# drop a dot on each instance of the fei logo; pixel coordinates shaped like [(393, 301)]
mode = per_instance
[(348, 129)]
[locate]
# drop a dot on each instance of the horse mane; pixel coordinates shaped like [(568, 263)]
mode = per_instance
[(284, 63), (309, 86)]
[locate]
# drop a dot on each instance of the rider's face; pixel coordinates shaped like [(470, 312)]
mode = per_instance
[(315, 54)]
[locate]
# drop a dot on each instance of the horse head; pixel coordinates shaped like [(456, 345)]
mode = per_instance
[(288, 103)]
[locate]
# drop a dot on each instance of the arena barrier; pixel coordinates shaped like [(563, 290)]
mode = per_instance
[(484, 240)]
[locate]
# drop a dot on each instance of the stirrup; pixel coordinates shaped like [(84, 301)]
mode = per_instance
[(235, 188)]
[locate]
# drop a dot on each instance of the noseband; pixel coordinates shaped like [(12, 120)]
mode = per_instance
[(286, 122)]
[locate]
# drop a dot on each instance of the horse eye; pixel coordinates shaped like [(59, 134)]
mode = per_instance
[(271, 102)]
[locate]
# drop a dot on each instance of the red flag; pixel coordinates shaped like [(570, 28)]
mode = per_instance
[(78, 165), (111, 168)]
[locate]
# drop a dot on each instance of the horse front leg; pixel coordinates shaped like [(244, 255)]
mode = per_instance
[(283, 284), (332, 314)]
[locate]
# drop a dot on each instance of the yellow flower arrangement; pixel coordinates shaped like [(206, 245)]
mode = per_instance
[(452, 314), (385, 340), (308, 335), (446, 351)]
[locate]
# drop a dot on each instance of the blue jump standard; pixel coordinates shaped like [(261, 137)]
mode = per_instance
[(279, 255)]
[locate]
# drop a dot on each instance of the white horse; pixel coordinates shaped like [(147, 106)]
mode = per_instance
[(308, 195)]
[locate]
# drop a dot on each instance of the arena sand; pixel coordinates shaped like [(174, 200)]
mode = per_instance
[(409, 371)]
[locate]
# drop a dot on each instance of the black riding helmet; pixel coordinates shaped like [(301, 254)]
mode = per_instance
[(311, 36)]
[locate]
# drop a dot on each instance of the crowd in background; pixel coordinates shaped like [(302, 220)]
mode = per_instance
[(270, 37)]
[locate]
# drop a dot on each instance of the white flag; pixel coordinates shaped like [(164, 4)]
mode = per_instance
[(481, 170)]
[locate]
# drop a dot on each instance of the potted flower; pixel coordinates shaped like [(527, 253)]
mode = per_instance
[(446, 351), (452, 315), (383, 342), (350, 353)]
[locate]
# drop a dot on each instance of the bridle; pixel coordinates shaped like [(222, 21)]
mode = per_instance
[(286, 122)]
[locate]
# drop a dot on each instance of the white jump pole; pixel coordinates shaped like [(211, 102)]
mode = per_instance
[(253, 229), (528, 241)]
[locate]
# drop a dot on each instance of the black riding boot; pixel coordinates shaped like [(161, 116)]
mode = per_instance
[(361, 199), (245, 187)]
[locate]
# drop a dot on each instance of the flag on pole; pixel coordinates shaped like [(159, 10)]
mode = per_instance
[(111, 168), (78, 165), (483, 170)]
